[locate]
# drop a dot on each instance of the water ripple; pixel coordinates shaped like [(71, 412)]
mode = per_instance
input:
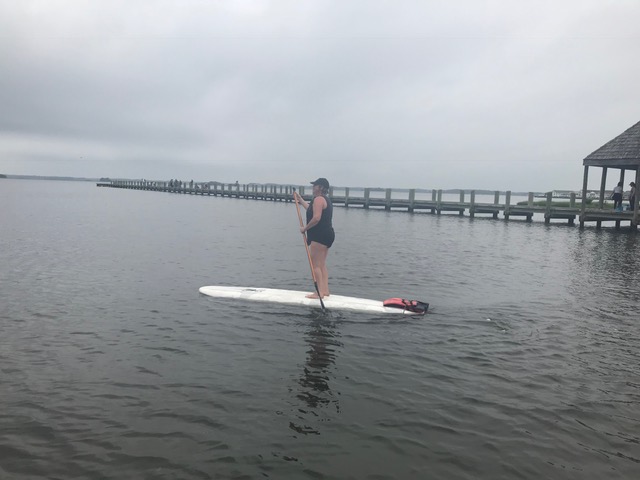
[(113, 366)]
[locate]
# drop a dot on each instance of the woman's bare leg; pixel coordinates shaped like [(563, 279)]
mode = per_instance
[(319, 254)]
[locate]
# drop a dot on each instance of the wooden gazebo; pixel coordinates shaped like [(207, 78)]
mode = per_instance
[(621, 153)]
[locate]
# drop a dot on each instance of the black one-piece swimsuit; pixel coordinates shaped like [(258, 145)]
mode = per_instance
[(323, 232)]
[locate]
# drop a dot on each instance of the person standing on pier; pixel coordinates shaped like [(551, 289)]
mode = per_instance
[(319, 231), (617, 196), (632, 196)]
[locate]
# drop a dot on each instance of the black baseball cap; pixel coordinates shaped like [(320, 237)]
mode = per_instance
[(323, 182)]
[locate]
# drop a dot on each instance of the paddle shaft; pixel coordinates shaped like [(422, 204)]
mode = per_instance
[(306, 246)]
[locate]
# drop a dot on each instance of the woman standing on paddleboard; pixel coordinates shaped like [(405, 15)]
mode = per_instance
[(319, 231)]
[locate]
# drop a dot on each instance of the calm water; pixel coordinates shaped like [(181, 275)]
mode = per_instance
[(114, 366)]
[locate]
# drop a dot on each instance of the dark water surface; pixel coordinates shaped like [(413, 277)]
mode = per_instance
[(114, 366)]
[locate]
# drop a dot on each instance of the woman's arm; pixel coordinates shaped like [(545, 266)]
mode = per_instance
[(300, 199), (319, 204)]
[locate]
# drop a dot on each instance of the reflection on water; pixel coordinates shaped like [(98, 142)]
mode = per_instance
[(314, 384), (605, 263)]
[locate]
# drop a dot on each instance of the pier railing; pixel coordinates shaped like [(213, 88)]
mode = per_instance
[(412, 200)]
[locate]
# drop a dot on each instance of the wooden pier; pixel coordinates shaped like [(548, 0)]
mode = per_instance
[(373, 198)]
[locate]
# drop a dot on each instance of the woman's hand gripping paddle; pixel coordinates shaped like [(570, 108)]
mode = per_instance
[(306, 246)]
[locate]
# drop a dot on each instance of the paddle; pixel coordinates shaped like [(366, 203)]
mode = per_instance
[(306, 246)]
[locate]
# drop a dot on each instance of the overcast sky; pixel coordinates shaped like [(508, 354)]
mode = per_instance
[(499, 94)]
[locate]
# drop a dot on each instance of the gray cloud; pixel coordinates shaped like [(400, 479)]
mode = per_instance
[(460, 94)]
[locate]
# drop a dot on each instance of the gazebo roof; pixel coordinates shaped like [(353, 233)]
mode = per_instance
[(623, 151)]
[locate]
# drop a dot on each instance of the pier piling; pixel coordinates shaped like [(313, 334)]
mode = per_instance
[(406, 201)]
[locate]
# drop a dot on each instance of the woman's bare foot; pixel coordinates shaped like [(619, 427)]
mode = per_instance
[(315, 295)]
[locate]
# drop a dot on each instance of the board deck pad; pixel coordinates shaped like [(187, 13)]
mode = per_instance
[(293, 297)]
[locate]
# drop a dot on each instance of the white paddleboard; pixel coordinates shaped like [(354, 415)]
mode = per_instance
[(293, 297)]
